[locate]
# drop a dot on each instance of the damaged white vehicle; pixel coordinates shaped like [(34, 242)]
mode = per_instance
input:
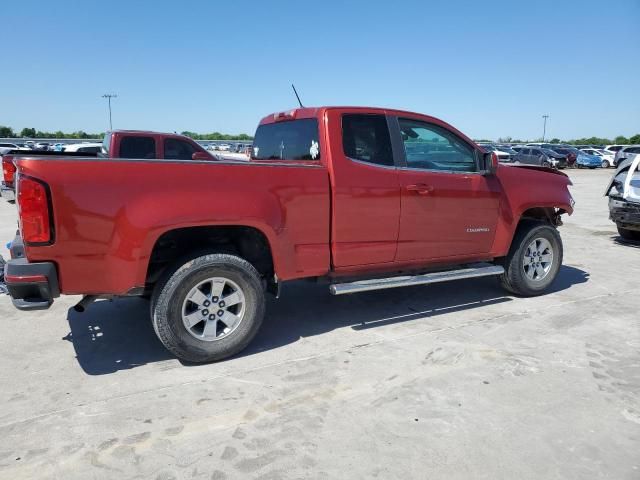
[(624, 198)]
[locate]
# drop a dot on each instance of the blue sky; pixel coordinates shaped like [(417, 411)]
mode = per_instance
[(490, 68)]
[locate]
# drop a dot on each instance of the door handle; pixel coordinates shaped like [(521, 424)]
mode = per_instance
[(420, 188)]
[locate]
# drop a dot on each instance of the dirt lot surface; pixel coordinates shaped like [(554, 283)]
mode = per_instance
[(452, 381)]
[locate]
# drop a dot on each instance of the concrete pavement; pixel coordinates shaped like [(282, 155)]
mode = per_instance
[(450, 381)]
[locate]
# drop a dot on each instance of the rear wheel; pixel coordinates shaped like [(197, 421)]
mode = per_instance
[(534, 259), (628, 234), (209, 308), (605, 164)]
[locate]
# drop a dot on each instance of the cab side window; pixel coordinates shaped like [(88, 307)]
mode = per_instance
[(137, 147), (175, 149), (430, 147), (366, 138)]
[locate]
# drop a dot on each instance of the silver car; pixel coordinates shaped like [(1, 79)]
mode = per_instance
[(625, 152)]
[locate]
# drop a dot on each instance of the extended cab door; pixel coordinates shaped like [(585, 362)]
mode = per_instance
[(365, 189), (449, 208)]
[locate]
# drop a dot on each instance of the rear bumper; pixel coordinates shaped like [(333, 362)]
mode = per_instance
[(625, 213), (7, 192), (32, 286)]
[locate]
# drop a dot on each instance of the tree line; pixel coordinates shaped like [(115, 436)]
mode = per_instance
[(8, 132)]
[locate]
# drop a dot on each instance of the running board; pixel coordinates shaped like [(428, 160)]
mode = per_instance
[(480, 270)]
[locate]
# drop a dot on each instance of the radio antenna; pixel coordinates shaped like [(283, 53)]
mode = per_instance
[(294, 91)]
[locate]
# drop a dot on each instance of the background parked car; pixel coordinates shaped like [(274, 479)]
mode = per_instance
[(570, 152), (42, 146), (503, 156), (606, 158), (83, 147), (14, 146), (541, 156), (586, 160), (625, 152), (613, 148)]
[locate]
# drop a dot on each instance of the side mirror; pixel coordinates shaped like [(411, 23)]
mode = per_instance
[(201, 156), (490, 160)]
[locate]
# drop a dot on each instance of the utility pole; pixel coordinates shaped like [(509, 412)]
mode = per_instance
[(544, 128), (109, 96)]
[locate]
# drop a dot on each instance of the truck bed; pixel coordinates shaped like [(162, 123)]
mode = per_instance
[(109, 213)]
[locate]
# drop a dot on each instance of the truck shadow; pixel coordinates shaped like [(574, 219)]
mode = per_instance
[(117, 335), (626, 243)]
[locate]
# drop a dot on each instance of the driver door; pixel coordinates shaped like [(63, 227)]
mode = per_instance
[(448, 207)]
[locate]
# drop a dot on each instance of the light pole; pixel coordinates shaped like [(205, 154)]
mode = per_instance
[(544, 128), (109, 96)]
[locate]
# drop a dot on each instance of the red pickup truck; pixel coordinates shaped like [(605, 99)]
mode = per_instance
[(116, 144), (363, 198)]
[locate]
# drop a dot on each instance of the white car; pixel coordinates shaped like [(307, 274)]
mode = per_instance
[(83, 147), (613, 148), (606, 156), (502, 155), (225, 147), (13, 146)]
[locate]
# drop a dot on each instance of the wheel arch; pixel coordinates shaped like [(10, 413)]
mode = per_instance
[(173, 244)]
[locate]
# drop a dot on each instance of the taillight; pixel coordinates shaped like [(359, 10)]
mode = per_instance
[(8, 170), (33, 207)]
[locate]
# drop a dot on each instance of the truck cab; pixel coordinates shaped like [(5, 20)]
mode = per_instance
[(141, 144)]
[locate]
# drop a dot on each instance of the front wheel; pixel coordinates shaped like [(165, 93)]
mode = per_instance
[(605, 164), (209, 308), (628, 234), (533, 261)]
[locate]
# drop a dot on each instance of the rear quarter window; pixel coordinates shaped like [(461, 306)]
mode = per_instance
[(137, 147), (289, 140)]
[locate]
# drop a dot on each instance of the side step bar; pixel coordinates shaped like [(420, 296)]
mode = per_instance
[(479, 270)]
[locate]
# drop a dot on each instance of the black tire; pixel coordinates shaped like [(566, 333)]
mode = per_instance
[(546, 164), (514, 278), (605, 164), (628, 234), (169, 296)]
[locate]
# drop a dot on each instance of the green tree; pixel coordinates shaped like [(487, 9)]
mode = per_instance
[(28, 133), (621, 140), (635, 140), (555, 140), (6, 132)]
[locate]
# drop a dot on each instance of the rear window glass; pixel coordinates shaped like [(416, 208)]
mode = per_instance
[(290, 140), (88, 149), (106, 144), (137, 147)]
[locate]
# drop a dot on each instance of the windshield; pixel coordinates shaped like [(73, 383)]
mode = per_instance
[(106, 145)]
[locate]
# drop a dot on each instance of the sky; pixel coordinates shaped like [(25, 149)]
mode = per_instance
[(490, 68)]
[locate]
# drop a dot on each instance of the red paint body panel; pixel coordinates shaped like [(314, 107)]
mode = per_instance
[(108, 214), (334, 217)]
